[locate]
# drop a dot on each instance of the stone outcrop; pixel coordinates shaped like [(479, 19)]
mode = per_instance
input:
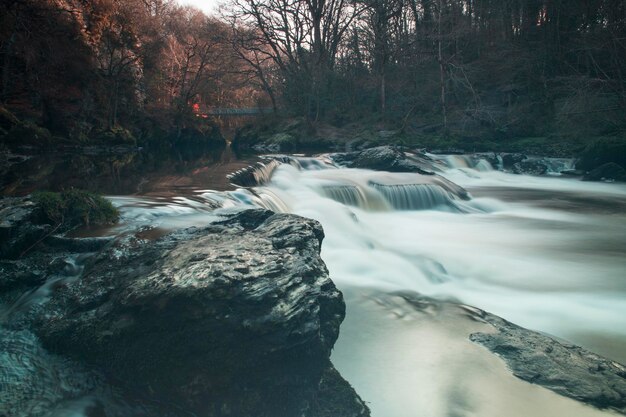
[(237, 319), (602, 152), (566, 369), (386, 158), (18, 229), (530, 167)]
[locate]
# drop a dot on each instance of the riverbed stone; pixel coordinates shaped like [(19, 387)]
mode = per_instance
[(386, 158), (566, 369), (237, 318), (530, 167)]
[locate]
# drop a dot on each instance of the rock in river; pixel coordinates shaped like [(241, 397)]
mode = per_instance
[(564, 368), (237, 318), (387, 158)]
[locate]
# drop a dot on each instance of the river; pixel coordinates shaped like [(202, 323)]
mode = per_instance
[(547, 253)]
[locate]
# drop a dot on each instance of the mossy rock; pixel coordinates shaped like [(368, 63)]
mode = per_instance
[(75, 207), (286, 141), (28, 133), (116, 136)]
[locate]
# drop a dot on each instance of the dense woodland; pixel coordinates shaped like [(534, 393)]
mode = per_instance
[(120, 69)]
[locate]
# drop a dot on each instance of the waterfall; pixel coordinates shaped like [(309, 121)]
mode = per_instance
[(414, 196), (261, 172), (523, 247), (477, 162), (349, 195)]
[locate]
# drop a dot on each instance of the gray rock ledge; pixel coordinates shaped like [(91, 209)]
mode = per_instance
[(235, 319), (566, 369)]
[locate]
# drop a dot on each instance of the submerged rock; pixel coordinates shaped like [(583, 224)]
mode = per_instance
[(566, 369), (237, 318)]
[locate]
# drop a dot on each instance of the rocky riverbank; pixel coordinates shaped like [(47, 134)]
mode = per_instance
[(238, 318), (234, 319), (564, 368)]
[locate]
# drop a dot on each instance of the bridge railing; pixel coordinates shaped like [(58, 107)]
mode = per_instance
[(244, 111)]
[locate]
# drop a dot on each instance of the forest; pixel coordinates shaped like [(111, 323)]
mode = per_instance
[(150, 70), (313, 208)]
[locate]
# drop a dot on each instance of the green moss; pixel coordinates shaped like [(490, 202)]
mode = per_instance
[(75, 207)]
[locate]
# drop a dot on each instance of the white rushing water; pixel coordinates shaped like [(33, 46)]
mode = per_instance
[(556, 269), (547, 253)]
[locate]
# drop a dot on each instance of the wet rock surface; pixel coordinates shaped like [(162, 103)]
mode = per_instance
[(387, 158), (510, 159), (18, 230), (566, 369), (34, 382), (237, 318), (530, 167)]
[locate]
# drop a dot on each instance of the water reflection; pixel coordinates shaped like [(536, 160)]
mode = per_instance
[(166, 172)]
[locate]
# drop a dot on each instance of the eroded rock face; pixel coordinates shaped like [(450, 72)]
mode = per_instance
[(32, 381), (606, 172), (530, 167), (237, 318), (567, 369), (18, 231), (386, 158)]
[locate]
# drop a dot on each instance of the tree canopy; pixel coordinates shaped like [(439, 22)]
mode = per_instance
[(506, 68)]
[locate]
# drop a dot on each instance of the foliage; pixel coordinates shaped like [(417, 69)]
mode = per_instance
[(75, 207), (498, 70), (115, 70)]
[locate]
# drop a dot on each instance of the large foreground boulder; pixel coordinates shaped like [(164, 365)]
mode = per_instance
[(235, 319)]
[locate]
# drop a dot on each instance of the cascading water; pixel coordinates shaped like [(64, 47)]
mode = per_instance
[(414, 196), (553, 268), (546, 253)]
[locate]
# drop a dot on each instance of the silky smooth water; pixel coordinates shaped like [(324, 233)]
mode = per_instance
[(547, 253)]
